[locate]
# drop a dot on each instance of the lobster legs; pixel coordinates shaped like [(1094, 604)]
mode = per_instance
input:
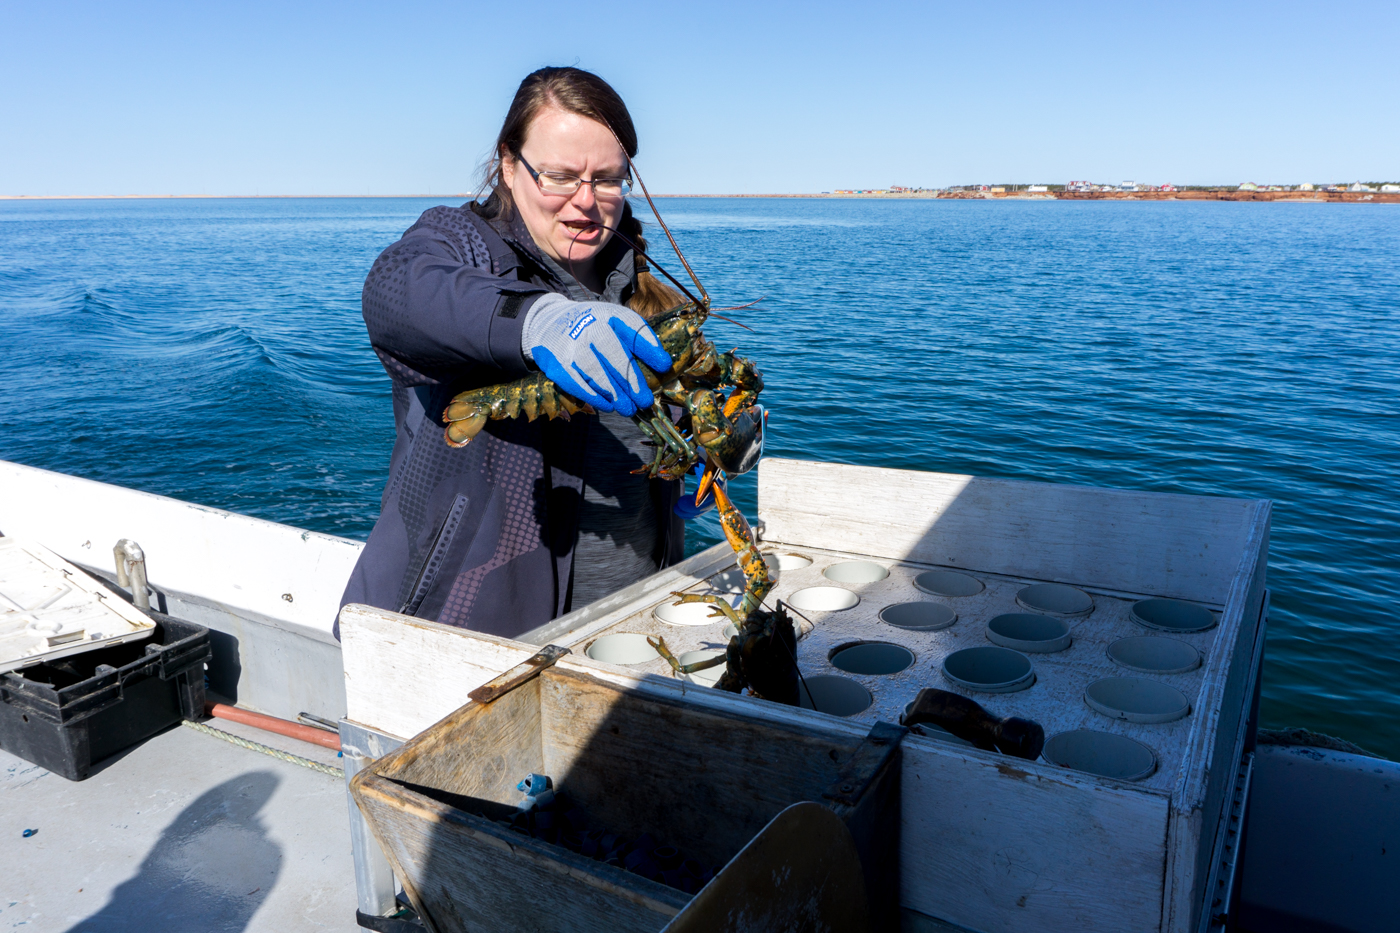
[(758, 581), (763, 655), (660, 645)]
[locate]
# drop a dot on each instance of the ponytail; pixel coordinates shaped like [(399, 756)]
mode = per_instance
[(650, 297)]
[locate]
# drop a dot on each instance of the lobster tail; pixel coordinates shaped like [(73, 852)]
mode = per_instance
[(532, 397), (460, 433)]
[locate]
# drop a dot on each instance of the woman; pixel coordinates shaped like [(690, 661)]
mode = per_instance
[(531, 519)]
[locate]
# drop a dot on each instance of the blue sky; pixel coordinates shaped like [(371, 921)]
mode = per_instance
[(355, 98)]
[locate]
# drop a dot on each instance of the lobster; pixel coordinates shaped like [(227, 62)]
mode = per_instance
[(726, 431), (762, 655), (720, 425)]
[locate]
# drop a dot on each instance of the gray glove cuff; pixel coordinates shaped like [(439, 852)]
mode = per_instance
[(545, 308), (549, 307)]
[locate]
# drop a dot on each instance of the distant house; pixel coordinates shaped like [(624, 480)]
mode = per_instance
[(1306, 186), (1390, 189), (1360, 187), (1249, 186), (1038, 188), (1167, 188), (1128, 186), (1080, 186)]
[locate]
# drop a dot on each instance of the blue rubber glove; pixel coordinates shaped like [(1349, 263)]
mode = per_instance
[(686, 507), (590, 350)]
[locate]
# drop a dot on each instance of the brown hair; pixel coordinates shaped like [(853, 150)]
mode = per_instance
[(574, 90)]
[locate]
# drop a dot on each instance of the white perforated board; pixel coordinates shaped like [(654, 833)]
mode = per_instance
[(50, 609)]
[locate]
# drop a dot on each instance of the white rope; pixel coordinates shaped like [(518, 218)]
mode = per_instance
[(265, 749)]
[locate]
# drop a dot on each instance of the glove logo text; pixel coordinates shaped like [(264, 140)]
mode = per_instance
[(579, 325)]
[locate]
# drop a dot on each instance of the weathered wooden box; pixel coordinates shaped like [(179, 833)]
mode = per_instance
[(986, 842), (703, 774)]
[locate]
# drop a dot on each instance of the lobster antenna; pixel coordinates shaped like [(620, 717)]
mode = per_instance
[(631, 167), (730, 320), (744, 307), (667, 230), (628, 240)]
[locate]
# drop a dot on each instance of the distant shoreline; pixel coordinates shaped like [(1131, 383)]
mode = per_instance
[(1215, 194), (463, 195), (213, 197)]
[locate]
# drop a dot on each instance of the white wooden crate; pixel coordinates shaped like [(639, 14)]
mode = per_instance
[(988, 842)]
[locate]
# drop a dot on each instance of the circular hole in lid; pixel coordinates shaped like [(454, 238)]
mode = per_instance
[(919, 617), (948, 583), (1172, 615), (871, 658), (1136, 699), (1055, 597), (833, 694), (688, 613), (709, 675), (622, 648), (1101, 753), (856, 571), (824, 599), (786, 561), (1027, 631), (1152, 654), (989, 669)]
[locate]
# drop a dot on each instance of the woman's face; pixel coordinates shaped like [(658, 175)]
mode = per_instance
[(561, 225)]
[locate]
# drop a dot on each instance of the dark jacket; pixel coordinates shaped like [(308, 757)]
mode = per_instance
[(482, 536)]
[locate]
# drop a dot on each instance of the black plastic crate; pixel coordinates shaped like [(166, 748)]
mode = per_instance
[(70, 714)]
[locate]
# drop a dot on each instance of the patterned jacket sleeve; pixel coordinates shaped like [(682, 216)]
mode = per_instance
[(436, 310)]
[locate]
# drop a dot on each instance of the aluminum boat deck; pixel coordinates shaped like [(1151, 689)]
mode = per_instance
[(184, 832)]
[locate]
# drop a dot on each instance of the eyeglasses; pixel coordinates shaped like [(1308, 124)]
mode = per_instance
[(561, 183)]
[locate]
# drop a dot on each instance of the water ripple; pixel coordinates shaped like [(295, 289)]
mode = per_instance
[(213, 351)]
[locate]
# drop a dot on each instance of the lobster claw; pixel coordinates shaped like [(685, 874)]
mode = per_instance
[(741, 449)]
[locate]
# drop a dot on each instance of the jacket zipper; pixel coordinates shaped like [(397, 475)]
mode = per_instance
[(441, 542)]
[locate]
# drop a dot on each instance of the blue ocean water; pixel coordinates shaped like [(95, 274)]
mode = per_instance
[(213, 351)]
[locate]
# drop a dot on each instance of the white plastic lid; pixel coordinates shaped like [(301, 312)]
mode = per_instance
[(50, 609)]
